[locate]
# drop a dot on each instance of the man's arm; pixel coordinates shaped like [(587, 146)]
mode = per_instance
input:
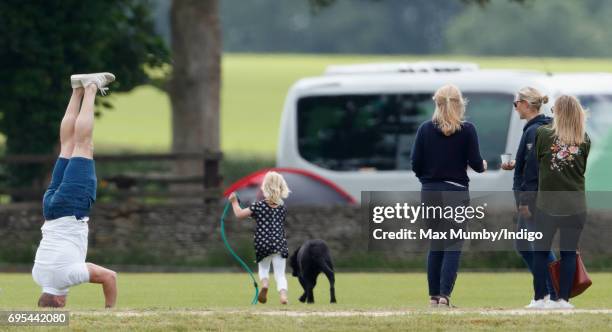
[(108, 279)]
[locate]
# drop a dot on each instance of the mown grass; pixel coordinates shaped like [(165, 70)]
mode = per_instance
[(220, 302), (355, 291)]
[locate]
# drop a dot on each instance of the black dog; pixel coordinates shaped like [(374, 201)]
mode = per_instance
[(307, 262)]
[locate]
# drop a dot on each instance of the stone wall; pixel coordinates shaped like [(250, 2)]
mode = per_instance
[(144, 236), (176, 234)]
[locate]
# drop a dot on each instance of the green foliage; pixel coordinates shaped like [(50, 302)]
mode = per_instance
[(342, 26), (43, 42), (542, 28), (557, 28), (483, 3)]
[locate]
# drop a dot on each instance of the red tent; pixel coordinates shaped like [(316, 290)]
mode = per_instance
[(306, 188)]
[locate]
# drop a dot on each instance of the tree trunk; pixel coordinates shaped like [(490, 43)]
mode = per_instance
[(194, 87)]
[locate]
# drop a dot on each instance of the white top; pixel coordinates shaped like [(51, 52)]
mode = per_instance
[(60, 258)]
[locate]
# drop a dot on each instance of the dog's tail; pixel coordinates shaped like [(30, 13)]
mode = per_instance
[(326, 266)]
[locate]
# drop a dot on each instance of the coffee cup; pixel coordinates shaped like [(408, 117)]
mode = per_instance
[(506, 158)]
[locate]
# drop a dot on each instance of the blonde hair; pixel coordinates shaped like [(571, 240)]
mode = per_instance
[(450, 109), (569, 120), (532, 96), (275, 188)]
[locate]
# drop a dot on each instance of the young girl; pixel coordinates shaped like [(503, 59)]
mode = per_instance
[(270, 241)]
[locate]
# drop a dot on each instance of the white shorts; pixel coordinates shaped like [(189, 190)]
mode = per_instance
[(60, 258)]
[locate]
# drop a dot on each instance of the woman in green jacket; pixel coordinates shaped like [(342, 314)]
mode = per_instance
[(562, 149)]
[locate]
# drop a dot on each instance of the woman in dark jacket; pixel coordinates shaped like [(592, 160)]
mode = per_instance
[(528, 103), (443, 149)]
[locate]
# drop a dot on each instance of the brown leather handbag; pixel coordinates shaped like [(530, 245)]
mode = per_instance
[(582, 281)]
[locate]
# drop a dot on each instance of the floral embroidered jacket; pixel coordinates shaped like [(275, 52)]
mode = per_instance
[(561, 173)]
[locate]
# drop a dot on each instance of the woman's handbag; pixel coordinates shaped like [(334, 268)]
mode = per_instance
[(582, 281)]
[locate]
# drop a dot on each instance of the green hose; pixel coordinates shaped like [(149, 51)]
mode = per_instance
[(236, 257)]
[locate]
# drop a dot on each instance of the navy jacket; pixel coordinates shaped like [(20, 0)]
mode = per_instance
[(526, 168), (436, 157)]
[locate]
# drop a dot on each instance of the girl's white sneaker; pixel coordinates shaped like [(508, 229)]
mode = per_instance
[(101, 80)]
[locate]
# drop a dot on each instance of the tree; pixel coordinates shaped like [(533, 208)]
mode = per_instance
[(543, 28), (43, 42), (349, 26), (320, 4), (195, 84)]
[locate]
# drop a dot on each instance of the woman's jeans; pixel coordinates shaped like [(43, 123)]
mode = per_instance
[(443, 258), (525, 249), (570, 228)]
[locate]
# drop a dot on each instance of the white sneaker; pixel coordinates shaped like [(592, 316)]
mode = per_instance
[(562, 304), (539, 304), (533, 302), (101, 80)]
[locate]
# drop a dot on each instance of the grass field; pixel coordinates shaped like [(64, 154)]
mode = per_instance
[(366, 301)]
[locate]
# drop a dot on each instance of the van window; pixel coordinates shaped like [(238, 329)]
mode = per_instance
[(376, 131)]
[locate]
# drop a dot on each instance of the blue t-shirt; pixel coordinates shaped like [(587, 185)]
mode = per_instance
[(437, 157)]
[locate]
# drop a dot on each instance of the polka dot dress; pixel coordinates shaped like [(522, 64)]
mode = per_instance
[(269, 230)]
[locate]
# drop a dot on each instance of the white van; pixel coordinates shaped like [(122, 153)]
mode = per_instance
[(355, 124)]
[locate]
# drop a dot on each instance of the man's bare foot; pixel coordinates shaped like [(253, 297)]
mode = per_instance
[(283, 296)]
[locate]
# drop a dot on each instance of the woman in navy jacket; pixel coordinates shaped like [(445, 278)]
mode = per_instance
[(443, 149), (528, 103)]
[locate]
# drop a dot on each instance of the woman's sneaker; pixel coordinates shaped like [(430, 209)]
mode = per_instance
[(101, 80), (533, 304), (538, 304), (559, 304)]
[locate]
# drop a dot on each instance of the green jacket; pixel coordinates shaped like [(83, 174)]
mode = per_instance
[(561, 173)]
